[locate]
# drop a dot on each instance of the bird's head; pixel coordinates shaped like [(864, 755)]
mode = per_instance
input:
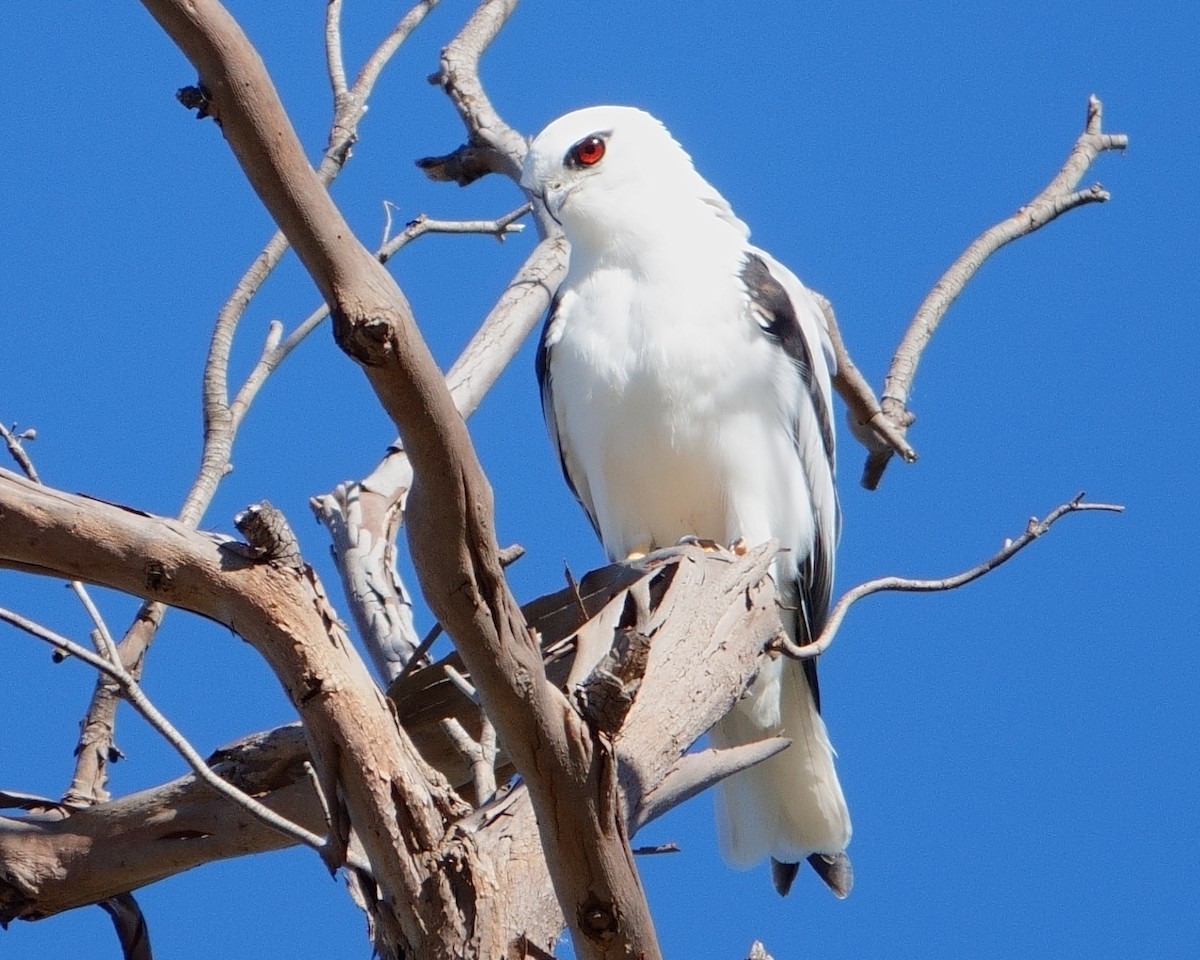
[(603, 170)]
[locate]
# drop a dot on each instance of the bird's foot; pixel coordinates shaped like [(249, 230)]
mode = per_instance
[(739, 547), (704, 543)]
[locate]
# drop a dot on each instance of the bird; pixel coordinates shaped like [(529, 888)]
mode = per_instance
[(686, 384)]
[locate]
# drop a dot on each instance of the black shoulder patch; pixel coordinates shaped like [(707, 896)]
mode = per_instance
[(777, 318), (780, 323)]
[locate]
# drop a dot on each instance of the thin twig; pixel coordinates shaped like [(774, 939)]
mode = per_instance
[(464, 685), (364, 83), (106, 645), (221, 418), (16, 448), (333, 51), (313, 778), (273, 355), (1033, 529), (867, 421), (132, 692), (499, 228), (1057, 198)]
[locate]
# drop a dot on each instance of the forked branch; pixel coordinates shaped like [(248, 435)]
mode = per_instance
[(451, 532), (222, 417), (881, 424), (492, 145), (131, 691)]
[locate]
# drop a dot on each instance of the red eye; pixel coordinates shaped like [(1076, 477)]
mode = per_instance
[(587, 152)]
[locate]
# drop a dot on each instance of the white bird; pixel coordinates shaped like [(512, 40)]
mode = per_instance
[(686, 383)]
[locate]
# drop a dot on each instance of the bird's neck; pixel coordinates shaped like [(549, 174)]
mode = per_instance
[(666, 238)]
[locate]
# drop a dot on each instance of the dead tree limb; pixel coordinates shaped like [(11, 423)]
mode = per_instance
[(222, 415), (450, 527), (1033, 529), (707, 630), (1057, 198), (492, 145)]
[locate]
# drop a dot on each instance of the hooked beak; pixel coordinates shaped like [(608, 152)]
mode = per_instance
[(552, 197)]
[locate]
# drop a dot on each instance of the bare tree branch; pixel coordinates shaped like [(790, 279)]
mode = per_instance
[(867, 421), (397, 803), (95, 746), (221, 417), (132, 692), (334, 62), (492, 145), (364, 518), (423, 224), (711, 619), (15, 444), (276, 351), (17, 449), (86, 855), (365, 82), (1033, 529), (1057, 198)]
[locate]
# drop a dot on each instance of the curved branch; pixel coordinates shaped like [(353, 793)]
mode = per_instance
[(1033, 529), (363, 518), (1057, 198), (370, 771), (451, 534), (221, 419), (492, 145), (133, 693)]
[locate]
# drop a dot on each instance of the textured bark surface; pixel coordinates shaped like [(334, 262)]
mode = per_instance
[(592, 695), (701, 623)]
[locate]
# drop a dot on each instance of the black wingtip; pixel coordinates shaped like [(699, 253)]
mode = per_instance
[(782, 875), (835, 870)]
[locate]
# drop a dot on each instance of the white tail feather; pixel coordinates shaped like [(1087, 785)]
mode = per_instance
[(791, 805)]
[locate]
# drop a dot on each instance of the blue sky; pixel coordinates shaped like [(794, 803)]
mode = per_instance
[(1020, 756)]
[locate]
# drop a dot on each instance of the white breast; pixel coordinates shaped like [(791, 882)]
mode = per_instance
[(674, 411)]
